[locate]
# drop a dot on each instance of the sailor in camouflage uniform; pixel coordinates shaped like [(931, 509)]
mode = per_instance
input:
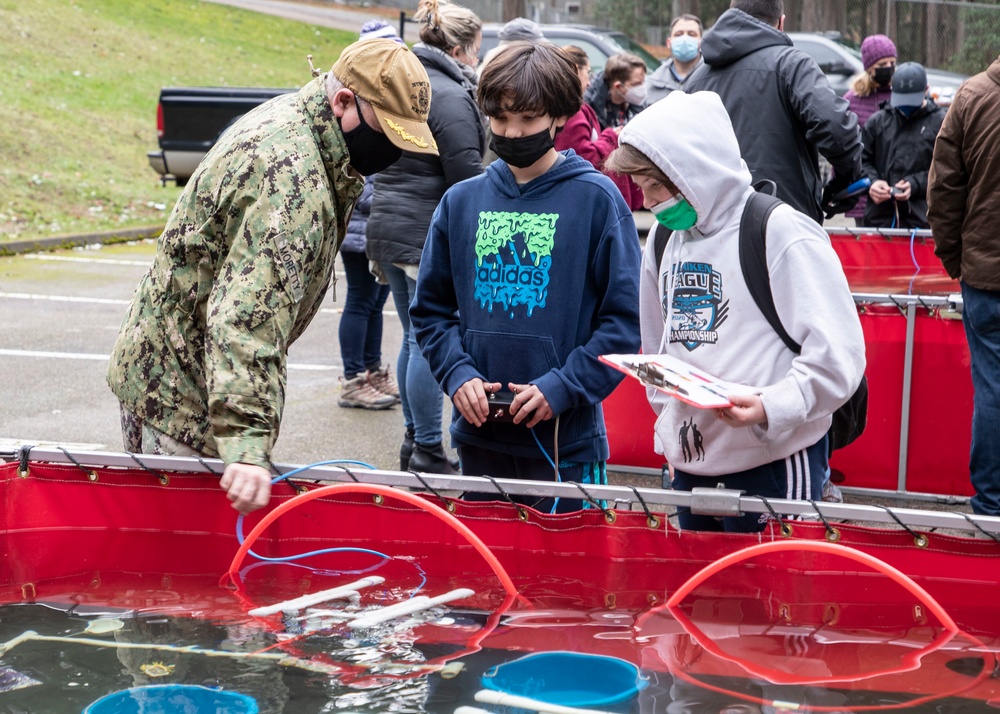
[(246, 257)]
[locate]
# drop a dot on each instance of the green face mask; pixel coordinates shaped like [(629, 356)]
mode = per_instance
[(675, 213)]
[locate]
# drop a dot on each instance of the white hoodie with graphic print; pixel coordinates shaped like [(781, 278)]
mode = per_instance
[(715, 324)]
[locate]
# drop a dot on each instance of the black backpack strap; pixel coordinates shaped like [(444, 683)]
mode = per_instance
[(753, 260), (661, 235)]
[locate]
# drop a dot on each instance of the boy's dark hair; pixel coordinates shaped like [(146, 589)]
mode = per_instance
[(619, 67), (769, 11), (689, 18), (530, 77)]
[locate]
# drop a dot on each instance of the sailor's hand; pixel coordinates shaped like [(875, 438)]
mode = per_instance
[(248, 486)]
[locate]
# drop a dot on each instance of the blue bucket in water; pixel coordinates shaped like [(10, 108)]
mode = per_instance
[(174, 698), (570, 679)]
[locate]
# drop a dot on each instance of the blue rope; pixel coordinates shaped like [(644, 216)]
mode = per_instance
[(289, 559), (555, 503)]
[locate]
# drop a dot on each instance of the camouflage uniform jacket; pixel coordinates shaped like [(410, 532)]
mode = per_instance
[(240, 270)]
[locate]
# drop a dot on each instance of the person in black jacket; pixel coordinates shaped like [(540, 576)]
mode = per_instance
[(781, 104), (406, 195), (898, 148)]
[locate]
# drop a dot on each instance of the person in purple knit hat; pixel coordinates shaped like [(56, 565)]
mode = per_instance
[(870, 89)]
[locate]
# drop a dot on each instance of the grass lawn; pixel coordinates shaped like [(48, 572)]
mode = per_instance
[(78, 102)]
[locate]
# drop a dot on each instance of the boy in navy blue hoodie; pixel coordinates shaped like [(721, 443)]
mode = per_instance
[(530, 272)]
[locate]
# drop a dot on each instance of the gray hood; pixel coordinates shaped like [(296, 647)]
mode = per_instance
[(691, 139), (736, 35)]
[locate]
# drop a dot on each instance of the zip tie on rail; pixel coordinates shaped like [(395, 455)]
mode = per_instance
[(786, 529), (832, 534), (446, 501), (651, 520), (163, 479), (918, 538), (499, 488), (608, 513), (522, 514), (23, 455), (207, 467), (980, 528), (89, 473), (350, 473)]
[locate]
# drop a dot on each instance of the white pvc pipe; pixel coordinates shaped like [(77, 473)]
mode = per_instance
[(471, 710), (300, 603), (421, 602), (490, 696)]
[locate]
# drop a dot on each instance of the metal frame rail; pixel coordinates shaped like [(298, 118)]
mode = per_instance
[(707, 501)]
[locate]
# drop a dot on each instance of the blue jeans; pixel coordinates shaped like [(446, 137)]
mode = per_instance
[(799, 477), (419, 393), (981, 317), (361, 323)]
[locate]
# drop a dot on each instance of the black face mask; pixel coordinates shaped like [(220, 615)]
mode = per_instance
[(883, 75), (523, 151), (370, 151)]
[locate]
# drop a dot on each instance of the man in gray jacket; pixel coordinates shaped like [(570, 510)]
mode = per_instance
[(782, 107), (963, 208)]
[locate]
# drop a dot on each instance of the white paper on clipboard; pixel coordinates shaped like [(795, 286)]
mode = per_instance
[(678, 379)]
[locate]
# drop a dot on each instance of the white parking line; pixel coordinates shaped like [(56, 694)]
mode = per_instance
[(77, 259), (36, 354), (65, 298), (118, 301)]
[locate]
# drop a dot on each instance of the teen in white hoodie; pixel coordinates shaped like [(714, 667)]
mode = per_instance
[(684, 155)]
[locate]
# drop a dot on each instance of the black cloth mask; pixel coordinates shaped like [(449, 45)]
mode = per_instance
[(370, 151), (883, 75), (523, 151)]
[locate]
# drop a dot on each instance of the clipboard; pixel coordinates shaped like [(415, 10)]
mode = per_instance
[(677, 378)]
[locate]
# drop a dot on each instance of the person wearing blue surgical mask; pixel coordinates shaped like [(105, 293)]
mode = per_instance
[(898, 146), (684, 44)]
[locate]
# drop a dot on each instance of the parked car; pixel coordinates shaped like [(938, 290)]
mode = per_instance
[(841, 62), (599, 43)]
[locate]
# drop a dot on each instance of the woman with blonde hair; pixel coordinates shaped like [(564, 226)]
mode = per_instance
[(406, 195), (870, 89)]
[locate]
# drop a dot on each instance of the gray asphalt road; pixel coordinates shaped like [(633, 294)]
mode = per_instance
[(61, 313)]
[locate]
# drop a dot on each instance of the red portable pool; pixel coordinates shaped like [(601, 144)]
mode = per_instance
[(826, 616)]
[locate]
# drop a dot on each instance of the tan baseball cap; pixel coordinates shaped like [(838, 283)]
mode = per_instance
[(389, 76)]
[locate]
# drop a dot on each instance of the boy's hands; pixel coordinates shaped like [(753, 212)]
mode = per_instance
[(747, 410), (532, 402), (529, 406), (472, 402)]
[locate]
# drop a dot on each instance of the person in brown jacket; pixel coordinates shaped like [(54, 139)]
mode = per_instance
[(963, 208)]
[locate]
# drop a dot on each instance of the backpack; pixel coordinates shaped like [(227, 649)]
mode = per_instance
[(850, 419)]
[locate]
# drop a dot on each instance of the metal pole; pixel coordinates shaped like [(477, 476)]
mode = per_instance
[(904, 421)]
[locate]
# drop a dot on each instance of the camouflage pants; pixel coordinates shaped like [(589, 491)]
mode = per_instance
[(141, 438)]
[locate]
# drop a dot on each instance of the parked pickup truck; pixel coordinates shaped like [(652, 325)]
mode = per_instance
[(189, 120)]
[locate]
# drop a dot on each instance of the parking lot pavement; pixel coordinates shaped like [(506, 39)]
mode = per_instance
[(62, 312)]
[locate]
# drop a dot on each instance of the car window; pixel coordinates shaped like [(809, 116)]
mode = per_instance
[(824, 56), (597, 56), (627, 44)]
